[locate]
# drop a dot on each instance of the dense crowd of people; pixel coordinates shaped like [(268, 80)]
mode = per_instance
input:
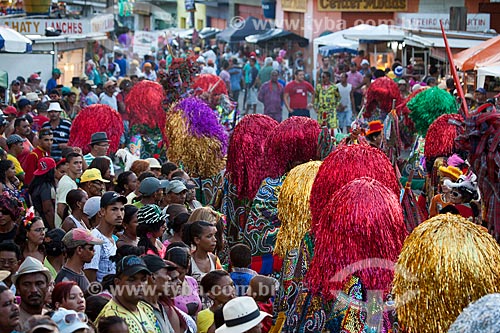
[(87, 246)]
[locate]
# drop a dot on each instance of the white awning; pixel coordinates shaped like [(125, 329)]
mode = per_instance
[(438, 42)]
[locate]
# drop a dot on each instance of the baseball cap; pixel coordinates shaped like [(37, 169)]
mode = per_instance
[(14, 138), (153, 163), (112, 197), (150, 214), (45, 164), (131, 265), (176, 186), (365, 62), (69, 321), (189, 186), (32, 97), (92, 206), (109, 83), (402, 81), (398, 70), (35, 76), (23, 102), (92, 174), (56, 71), (79, 237), (10, 110), (150, 185), (481, 91), (155, 263)]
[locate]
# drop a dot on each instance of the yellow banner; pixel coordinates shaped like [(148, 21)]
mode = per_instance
[(363, 5), (294, 5)]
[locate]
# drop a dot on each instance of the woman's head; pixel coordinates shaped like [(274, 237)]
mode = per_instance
[(200, 234), (151, 225), (139, 166), (176, 224), (10, 209), (130, 219), (126, 183), (76, 199), (103, 164), (68, 295), (31, 230), (218, 286), (7, 170), (181, 257), (216, 218)]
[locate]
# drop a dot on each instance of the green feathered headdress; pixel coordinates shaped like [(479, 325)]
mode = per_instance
[(428, 106)]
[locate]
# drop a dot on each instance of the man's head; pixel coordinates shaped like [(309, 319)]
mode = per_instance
[(9, 310), (176, 192), (54, 111), (326, 77), (54, 95), (326, 61), (10, 258), (252, 61), (154, 166), (132, 272), (75, 165), (245, 315), (343, 78), (92, 182), (16, 86), (240, 256), (112, 208), (164, 274), (45, 139), (365, 64), (24, 105), (31, 281), (299, 75), (152, 187), (109, 87), (403, 87), (480, 95), (22, 127), (15, 144), (56, 73), (99, 144), (274, 76), (81, 243)]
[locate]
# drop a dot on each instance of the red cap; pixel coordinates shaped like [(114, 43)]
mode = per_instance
[(163, 62), (45, 164), (10, 110), (35, 76), (374, 127), (253, 54)]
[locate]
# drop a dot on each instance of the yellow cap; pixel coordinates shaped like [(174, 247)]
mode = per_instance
[(91, 175)]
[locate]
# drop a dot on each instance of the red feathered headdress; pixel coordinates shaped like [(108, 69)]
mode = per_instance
[(381, 92), (361, 231), (209, 87), (292, 142), (245, 157), (144, 105), (344, 165), (440, 138), (92, 119)]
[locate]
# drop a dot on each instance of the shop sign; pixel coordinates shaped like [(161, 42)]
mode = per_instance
[(145, 42), (294, 5), (27, 26), (475, 22), (363, 5)]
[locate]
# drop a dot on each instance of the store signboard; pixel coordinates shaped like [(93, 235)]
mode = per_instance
[(145, 41), (294, 5), (29, 26), (475, 22), (362, 5)]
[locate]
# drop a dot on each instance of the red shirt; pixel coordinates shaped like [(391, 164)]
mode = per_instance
[(31, 163), (267, 323), (298, 93)]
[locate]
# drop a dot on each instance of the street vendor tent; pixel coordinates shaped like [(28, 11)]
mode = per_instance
[(277, 36), (239, 30), (365, 33), (483, 72), (481, 55), (335, 43), (13, 42)]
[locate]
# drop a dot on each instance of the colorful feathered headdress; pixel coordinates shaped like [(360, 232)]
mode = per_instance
[(145, 105)]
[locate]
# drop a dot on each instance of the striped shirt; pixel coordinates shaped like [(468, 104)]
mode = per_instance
[(61, 135)]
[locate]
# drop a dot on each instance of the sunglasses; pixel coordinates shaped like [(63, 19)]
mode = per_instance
[(72, 317)]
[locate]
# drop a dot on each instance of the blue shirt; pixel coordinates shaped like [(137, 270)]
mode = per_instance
[(51, 84), (241, 278), (235, 79)]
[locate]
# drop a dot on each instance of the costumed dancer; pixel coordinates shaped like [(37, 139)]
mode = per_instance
[(245, 170), (351, 270), (379, 99), (481, 139), (345, 164), (293, 142), (147, 116), (295, 217), (443, 198), (92, 119), (197, 142), (446, 263), (465, 196)]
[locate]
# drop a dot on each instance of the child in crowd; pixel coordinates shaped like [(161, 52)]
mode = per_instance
[(263, 289), (241, 258), (219, 287)]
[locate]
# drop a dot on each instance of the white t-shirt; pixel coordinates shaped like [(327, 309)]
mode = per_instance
[(101, 261), (109, 100), (65, 185), (345, 95)]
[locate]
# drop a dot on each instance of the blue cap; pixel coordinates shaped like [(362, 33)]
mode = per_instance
[(481, 91)]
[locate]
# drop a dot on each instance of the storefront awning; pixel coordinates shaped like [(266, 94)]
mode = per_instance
[(438, 42)]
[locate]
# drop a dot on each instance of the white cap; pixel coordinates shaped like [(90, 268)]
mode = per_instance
[(365, 62)]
